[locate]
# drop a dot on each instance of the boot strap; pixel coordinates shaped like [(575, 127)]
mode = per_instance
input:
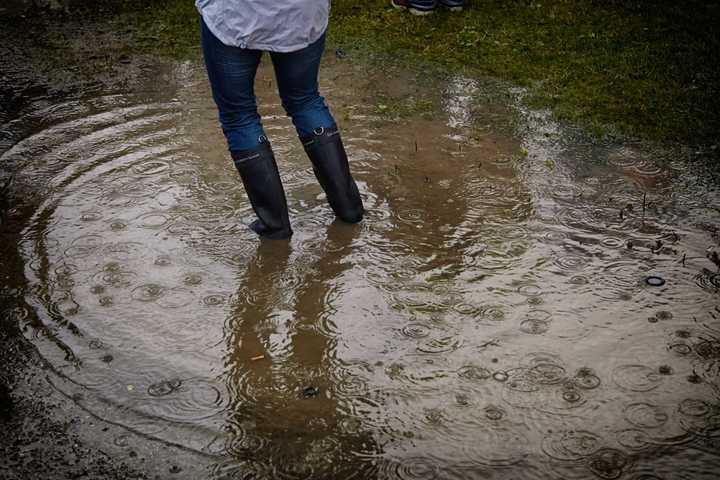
[(326, 135)]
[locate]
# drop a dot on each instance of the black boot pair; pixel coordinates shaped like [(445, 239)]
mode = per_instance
[(259, 173)]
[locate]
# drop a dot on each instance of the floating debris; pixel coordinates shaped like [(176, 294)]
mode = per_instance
[(310, 391)]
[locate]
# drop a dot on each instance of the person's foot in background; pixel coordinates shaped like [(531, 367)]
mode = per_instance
[(452, 5), (416, 7)]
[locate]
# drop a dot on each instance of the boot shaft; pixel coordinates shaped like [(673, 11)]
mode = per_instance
[(330, 164), (261, 178)]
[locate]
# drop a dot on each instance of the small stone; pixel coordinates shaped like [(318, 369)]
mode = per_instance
[(500, 376), (310, 391), (682, 333)]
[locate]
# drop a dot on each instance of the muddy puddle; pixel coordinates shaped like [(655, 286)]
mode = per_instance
[(528, 304)]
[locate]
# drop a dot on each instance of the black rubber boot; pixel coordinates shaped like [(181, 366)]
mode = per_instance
[(330, 164), (261, 178)]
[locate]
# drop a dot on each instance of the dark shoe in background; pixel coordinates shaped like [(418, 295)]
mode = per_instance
[(261, 178), (416, 7), (330, 164), (453, 5)]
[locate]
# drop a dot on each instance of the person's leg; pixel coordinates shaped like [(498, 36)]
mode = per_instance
[(297, 79), (231, 71)]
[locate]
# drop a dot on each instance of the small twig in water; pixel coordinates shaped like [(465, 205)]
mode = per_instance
[(643, 215), (492, 342), (713, 256), (658, 246)]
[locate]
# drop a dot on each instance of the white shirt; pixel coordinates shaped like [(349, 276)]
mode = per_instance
[(274, 25)]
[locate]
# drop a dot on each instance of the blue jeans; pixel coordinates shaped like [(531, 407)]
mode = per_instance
[(231, 71)]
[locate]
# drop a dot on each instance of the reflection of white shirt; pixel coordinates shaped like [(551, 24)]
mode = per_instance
[(274, 25)]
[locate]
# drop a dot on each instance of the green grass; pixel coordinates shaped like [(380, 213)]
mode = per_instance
[(641, 68)]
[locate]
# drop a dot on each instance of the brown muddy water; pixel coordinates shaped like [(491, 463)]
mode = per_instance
[(530, 304)]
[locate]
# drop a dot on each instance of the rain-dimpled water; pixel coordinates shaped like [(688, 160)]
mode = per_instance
[(524, 302)]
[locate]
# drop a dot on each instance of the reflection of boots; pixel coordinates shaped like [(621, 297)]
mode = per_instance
[(330, 164), (261, 178)]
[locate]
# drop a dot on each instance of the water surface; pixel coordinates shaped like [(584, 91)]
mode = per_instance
[(490, 318)]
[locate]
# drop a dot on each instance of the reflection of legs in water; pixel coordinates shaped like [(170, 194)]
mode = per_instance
[(249, 364), (287, 402), (311, 344)]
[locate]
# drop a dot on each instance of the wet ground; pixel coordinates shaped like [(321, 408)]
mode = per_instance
[(522, 302)]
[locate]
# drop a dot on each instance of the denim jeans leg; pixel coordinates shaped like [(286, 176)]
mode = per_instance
[(231, 72), (297, 79)]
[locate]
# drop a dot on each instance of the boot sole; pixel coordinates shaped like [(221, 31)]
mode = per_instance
[(276, 235), (421, 13)]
